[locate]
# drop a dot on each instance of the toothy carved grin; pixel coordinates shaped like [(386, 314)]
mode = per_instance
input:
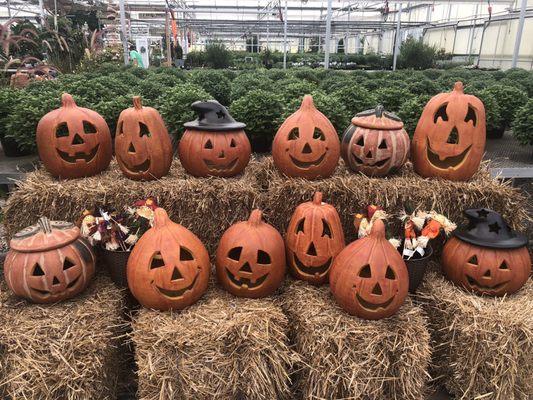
[(220, 167), (245, 282), (373, 306), (307, 164), (313, 271), (476, 285), (448, 162), (176, 294), (142, 167), (378, 164), (78, 156)]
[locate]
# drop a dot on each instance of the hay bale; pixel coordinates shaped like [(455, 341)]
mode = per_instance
[(207, 206), (347, 357), (483, 347), (68, 350), (350, 192), (223, 347)]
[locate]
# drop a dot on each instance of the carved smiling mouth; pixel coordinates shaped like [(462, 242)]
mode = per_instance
[(476, 285), (314, 271), (378, 164), (47, 293), (220, 167), (307, 164), (448, 162), (245, 282), (78, 156), (142, 167), (176, 294), (373, 306)]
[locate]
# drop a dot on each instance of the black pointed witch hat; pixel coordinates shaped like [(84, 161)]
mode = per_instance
[(487, 228), (212, 116)]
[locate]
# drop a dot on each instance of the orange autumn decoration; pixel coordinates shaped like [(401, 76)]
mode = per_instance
[(306, 144), (314, 237), (214, 144), (487, 257), (73, 142), (369, 278), (449, 139), (142, 145), (49, 262), (250, 259), (169, 267)]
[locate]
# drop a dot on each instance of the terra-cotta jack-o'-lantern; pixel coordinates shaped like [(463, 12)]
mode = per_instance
[(314, 237), (375, 143), (250, 259), (369, 278), (49, 262), (168, 268), (142, 145), (214, 144), (487, 257), (306, 144), (73, 142), (449, 139)]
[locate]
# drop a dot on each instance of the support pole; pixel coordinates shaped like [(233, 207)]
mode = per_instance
[(398, 38), (472, 32), (55, 15), (285, 37), (519, 32), (8, 10), (167, 38), (328, 35), (124, 32), (41, 13)]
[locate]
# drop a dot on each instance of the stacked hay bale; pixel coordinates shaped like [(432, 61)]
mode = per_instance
[(222, 347), (483, 346), (347, 357), (68, 350)]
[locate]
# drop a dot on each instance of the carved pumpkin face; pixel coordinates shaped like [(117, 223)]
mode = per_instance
[(449, 139), (483, 270), (250, 259), (306, 145), (314, 237), (168, 268), (375, 143), (142, 145), (73, 142), (369, 278), (49, 262), (204, 153)]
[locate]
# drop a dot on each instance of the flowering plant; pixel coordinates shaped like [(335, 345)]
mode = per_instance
[(117, 230)]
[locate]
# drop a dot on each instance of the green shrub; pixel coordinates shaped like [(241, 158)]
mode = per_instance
[(9, 99), (175, 106), (293, 89), (307, 74), (247, 82), (213, 82), (493, 111), (433, 73), (150, 90), (261, 111), (355, 99), (392, 98), (523, 123), (217, 55), (90, 92), (410, 112), (446, 82), (277, 74), (333, 83), (111, 109), (423, 86), (510, 99), (415, 54)]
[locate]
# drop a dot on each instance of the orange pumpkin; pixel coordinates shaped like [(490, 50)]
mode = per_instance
[(306, 144), (369, 277), (250, 259), (142, 145), (73, 142), (314, 237), (449, 139), (487, 257), (375, 143), (169, 267), (49, 262), (214, 144)]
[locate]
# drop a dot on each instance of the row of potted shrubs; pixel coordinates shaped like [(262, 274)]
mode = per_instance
[(263, 98)]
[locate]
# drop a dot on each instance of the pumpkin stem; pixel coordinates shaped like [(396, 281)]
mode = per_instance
[(378, 229), (256, 217), (160, 217), (307, 102), (44, 224), (379, 110), (458, 87), (137, 102), (67, 100), (317, 198)]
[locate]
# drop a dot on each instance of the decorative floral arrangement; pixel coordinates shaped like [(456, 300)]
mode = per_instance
[(419, 228), (117, 230)]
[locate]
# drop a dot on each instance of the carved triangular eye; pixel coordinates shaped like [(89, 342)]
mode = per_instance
[(361, 141), (471, 115), (383, 144), (300, 226), (185, 254), (88, 127), (263, 257), (121, 128), (441, 112), (318, 134), (365, 272), (232, 143), (143, 130), (473, 260), (390, 273), (37, 270), (504, 265), (294, 134), (208, 144), (326, 231), (67, 264), (62, 130), (157, 261), (235, 253)]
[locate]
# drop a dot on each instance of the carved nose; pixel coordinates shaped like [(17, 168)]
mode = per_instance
[(55, 281), (221, 154), (131, 149), (369, 154), (307, 149), (487, 274), (176, 275), (77, 139), (377, 290), (246, 268), (311, 250)]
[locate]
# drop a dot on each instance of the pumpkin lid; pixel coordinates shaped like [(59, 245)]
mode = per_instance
[(212, 116), (45, 235), (487, 228), (377, 118)]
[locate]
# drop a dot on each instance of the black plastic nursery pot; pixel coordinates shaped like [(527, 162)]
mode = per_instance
[(495, 133), (417, 269), (261, 144), (12, 149), (116, 262)]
